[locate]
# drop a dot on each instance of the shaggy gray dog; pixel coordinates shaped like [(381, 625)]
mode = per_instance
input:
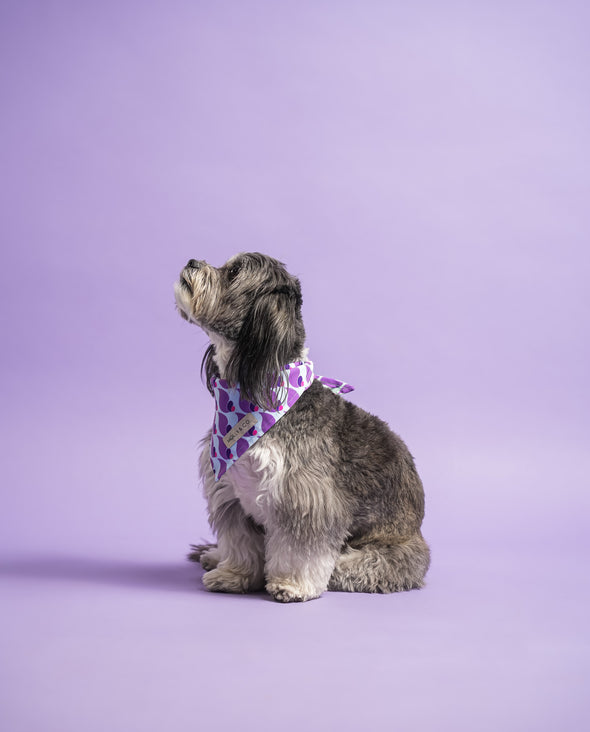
[(327, 497)]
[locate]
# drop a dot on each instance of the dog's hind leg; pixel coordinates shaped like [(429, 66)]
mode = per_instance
[(381, 566)]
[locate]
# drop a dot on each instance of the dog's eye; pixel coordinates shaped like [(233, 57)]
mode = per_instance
[(233, 272)]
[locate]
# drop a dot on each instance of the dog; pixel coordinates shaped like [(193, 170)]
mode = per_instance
[(324, 496)]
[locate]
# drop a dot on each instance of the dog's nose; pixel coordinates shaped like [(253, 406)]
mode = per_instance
[(194, 264)]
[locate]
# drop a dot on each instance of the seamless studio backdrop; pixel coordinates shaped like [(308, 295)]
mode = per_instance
[(423, 168)]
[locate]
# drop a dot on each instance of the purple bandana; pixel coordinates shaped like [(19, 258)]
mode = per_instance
[(239, 423)]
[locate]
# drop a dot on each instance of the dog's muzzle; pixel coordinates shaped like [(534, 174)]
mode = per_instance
[(186, 276)]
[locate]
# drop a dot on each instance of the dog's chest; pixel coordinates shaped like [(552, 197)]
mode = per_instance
[(252, 481)]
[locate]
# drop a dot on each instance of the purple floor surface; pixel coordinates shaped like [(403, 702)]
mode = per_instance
[(424, 169)]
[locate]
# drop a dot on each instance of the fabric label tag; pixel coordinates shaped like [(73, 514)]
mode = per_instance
[(239, 430)]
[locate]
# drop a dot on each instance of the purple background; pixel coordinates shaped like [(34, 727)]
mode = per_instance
[(424, 168)]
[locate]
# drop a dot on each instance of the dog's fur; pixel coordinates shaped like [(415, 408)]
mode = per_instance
[(329, 498)]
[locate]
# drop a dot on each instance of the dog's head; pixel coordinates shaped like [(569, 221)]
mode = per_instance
[(251, 309)]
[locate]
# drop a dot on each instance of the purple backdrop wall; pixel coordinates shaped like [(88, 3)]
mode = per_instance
[(422, 167)]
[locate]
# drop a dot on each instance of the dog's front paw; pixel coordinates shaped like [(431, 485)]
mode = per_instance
[(286, 592), (230, 580)]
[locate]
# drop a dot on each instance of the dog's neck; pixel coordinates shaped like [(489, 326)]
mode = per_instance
[(224, 349)]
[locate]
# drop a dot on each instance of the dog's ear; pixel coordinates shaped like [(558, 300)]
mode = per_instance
[(271, 336), (209, 366)]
